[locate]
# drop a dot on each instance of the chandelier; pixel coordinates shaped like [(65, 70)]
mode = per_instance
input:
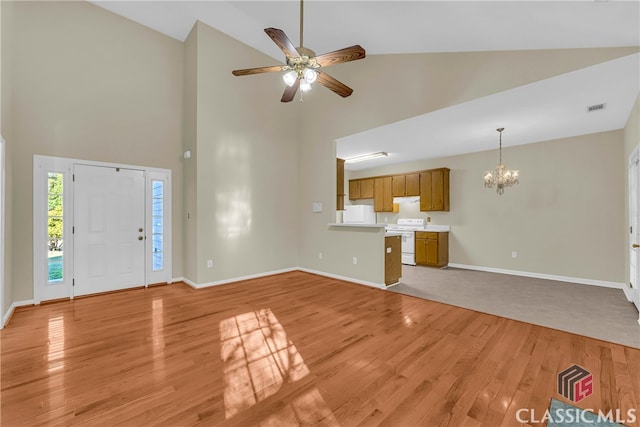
[(501, 177)]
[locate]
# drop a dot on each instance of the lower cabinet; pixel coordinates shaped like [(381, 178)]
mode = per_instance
[(432, 248), (392, 259)]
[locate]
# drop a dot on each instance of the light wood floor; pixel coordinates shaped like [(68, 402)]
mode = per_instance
[(291, 349)]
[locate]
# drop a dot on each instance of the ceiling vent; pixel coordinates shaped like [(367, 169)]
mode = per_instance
[(596, 107)]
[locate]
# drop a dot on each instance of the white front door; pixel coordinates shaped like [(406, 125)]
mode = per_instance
[(634, 228), (109, 235)]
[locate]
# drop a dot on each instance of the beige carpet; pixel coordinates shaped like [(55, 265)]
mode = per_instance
[(594, 311)]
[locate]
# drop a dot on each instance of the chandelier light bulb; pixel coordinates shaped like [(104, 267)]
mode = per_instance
[(310, 75), (305, 85), (501, 177), (290, 78)]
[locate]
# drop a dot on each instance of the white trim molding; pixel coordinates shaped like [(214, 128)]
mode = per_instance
[(271, 273), (346, 279), (13, 307), (233, 279), (569, 279), (2, 227)]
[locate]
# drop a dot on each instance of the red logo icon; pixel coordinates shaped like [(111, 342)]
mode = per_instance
[(575, 383)]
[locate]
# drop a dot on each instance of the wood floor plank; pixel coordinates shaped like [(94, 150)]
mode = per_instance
[(290, 349)]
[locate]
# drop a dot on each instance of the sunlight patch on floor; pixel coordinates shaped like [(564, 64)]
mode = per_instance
[(259, 359)]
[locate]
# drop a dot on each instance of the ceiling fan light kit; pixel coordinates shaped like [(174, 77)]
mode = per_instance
[(301, 69)]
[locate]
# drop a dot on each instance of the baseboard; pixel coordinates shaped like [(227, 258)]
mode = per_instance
[(233, 279), (346, 279), (569, 279), (12, 308), (627, 293), (271, 273)]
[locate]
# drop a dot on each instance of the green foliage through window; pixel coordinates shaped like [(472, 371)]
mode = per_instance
[(55, 224)]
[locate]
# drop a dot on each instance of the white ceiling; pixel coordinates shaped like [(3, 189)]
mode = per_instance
[(549, 109)]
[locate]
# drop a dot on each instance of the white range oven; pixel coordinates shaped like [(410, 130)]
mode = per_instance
[(407, 228)]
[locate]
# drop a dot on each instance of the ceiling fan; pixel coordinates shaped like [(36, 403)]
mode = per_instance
[(302, 67)]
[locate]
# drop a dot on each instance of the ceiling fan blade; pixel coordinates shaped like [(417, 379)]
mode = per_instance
[(283, 42), (290, 91), (329, 82), (347, 54), (248, 71)]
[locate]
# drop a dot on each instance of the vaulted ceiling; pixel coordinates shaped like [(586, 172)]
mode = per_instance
[(549, 109)]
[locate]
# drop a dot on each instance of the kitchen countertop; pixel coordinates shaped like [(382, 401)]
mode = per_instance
[(435, 228), (357, 225), (438, 228)]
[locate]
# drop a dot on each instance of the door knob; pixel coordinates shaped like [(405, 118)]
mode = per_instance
[(635, 246), (140, 229), (140, 237)]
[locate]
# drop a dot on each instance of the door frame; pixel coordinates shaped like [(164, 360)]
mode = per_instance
[(633, 291), (2, 229), (42, 165)]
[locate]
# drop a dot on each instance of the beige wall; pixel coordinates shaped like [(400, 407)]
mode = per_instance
[(6, 129), (427, 82), (91, 85), (632, 130), (246, 173)]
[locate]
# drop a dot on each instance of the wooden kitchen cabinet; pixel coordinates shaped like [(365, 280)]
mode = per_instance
[(354, 189), (432, 248), (361, 188), (366, 188), (392, 259), (434, 190), (339, 184), (383, 196), (406, 185)]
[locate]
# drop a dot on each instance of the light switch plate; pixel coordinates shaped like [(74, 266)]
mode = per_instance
[(317, 207)]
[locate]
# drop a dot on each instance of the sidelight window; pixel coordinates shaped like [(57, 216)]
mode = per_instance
[(55, 227), (157, 227)]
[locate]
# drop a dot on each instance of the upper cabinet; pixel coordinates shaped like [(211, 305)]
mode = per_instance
[(434, 190), (406, 185), (340, 184), (361, 188), (431, 185), (383, 199)]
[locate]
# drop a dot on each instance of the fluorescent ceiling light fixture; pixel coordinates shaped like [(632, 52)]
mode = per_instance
[(364, 157)]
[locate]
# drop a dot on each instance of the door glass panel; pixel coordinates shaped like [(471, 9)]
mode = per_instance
[(157, 224), (55, 227)]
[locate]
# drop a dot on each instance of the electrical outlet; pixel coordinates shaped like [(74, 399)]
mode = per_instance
[(514, 254), (355, 260), (209, 263), (319, 255)]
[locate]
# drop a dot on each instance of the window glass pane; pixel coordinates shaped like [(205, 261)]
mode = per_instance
[(157, 226), (157, 189), (156, 207), (157, 261), (157, 243), (157, 223), (55, 227)]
